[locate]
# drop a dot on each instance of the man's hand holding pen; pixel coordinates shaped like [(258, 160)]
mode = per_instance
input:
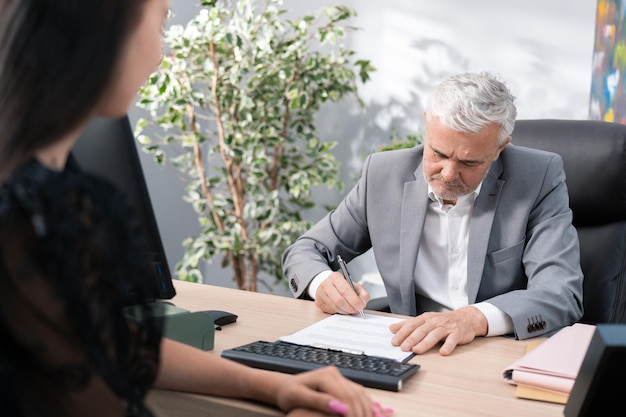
[(346, 274), (335, 295)]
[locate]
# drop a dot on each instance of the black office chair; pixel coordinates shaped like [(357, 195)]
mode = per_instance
[(594, 159)]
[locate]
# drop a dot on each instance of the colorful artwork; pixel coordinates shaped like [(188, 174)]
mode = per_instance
[(608, 99)]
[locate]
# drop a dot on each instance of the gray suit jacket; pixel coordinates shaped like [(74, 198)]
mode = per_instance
[(523, 254)]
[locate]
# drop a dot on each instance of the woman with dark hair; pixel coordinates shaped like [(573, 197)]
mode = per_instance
[(68, 249)]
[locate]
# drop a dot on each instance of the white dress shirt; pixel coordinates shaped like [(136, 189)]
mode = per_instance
[(444, 255)]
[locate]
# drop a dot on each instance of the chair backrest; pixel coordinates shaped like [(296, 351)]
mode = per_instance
[(594, 159)]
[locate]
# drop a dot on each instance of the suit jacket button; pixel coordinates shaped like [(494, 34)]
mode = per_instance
[(535, 324), (293, 284)]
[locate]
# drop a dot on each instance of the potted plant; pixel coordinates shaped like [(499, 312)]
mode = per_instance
[(233, 108)]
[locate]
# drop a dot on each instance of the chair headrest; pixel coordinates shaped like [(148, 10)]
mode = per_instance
[(594, 159)]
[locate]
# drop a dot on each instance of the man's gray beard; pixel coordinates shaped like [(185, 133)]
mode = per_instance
[(444, 197), (451, 198)]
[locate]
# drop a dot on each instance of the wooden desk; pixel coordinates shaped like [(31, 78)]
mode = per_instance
[(467, 383)]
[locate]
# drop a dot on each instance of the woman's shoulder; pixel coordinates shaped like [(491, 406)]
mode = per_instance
[(34, 187), (66, 211)]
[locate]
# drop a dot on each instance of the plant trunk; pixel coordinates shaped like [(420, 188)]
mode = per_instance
[(245, 269)]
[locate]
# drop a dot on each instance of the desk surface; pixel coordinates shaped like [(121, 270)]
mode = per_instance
[(467, 383)]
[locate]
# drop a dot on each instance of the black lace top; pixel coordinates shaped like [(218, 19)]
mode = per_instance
[(67, 255)]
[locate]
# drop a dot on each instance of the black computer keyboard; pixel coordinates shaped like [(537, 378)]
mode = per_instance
[(286, 357)]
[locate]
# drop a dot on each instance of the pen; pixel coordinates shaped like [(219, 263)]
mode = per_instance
[(348, 277)]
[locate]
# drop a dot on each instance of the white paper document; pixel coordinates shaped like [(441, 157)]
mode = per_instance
[(369, 335)]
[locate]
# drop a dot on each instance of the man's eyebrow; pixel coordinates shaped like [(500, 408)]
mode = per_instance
[(437, 151), (464, 161), (471, 161)]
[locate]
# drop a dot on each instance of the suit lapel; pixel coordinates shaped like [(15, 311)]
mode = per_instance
[(414, 203), (480, 228)]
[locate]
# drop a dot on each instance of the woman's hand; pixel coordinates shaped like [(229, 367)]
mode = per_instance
[(325, 392)]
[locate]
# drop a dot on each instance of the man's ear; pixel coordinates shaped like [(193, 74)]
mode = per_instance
[(501, 147)]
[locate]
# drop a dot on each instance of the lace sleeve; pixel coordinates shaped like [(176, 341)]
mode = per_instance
[(67, 255)]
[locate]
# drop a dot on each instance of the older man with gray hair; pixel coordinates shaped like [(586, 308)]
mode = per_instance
[(472, 235)]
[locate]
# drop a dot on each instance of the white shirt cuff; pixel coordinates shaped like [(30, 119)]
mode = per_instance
[(316, 281), (498, 321)]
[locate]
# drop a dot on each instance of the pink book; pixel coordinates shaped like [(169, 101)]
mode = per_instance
[(553, 365)]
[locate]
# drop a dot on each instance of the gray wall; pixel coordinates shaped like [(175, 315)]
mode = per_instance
[(543, 49)]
